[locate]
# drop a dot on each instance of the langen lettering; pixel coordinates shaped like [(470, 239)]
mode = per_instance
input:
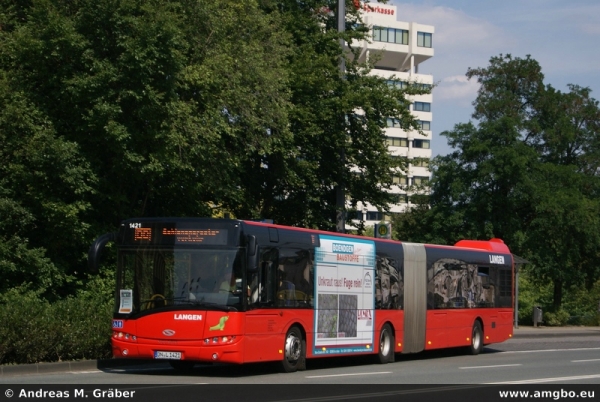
[(496, 259), (188, 317)]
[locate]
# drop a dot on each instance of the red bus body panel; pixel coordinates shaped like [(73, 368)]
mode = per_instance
[(258, 335)]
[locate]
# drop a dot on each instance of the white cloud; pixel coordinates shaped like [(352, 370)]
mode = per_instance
[(460, 40), (457, 88)]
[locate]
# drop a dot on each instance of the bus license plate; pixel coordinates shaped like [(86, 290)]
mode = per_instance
[(167, 355)]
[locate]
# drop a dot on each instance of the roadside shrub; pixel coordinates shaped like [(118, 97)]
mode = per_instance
[(579, 305), (82, 326), (74, 328), (591, 320), (556, 319), (530, 296), (588, 319), (24, 333)]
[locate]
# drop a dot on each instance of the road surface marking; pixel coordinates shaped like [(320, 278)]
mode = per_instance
[(344, 375), (499, 365), (552, 379)]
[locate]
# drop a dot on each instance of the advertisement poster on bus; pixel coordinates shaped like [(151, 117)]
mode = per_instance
[(345, 289)]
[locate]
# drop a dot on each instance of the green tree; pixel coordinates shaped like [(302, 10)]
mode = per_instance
[(114, 109), (526, 172), (158, 95), (337, 121), (44, 181)]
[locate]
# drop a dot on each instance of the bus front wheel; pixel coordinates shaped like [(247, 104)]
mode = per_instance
[(476, 339), (294, 351), (386, 345)]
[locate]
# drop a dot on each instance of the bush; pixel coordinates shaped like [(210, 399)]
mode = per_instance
[(74, 328), (24, 336), (83, 330), (589, 319), (579, 305), (556, 319), (530, 296)]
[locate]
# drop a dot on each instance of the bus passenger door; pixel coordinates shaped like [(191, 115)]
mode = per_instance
[(263, 321)]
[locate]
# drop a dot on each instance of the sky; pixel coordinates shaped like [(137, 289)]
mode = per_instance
[(562, 36)]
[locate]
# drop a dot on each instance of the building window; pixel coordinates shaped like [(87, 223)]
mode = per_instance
[(424, 39), (374, 216), (400, 198), (354, 215), (390, 35), (420, 163), (398, 84), (400, 180), (396, 142), (424, 125), (424, 144), (420, 180), (393, 123), (422, 107), (418, 85)]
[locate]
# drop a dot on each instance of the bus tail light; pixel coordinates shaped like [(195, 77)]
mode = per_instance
[(220, 340), (123, 336)]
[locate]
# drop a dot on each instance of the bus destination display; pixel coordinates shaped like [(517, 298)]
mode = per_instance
[(210, 236), (183, 236)]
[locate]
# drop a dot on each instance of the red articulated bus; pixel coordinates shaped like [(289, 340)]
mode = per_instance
[(191, 290)]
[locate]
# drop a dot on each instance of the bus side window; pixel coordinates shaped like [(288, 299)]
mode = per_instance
[(261, 282), (389, 284), (486, 295), (294, 278)]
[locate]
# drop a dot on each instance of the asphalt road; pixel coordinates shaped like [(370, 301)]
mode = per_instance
[(546, 359)]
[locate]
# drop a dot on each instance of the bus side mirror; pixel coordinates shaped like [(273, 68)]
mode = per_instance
[(95, 251)]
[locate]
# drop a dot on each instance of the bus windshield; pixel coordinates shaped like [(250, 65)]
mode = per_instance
[(157, 278)]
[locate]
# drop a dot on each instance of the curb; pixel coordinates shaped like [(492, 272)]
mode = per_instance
[(77, 365), (544, 332)]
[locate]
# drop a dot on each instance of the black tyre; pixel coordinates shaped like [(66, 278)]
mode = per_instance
[(476, 339), (294, 351), (386, 345), (182, 365)]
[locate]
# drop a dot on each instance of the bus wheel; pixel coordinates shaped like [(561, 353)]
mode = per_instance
[(182, 365), (294, 351), (386, 345), (476, 339)]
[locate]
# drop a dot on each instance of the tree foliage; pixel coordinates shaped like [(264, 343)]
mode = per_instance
[(527, 172), (337, 122), (111, 109)]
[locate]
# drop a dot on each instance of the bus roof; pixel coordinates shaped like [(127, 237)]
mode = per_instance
[(494, 245)]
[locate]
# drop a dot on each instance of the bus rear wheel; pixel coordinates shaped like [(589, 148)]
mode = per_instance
[(476, 339), (386, 345), (294, 351)]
